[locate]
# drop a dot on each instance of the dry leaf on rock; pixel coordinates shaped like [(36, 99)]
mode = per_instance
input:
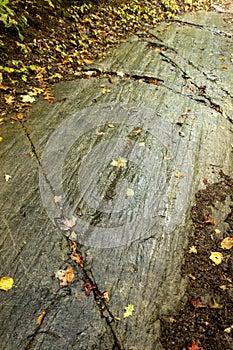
[(7, 177), (180, 175), (69, 274), (40, 318), (67, 224), (227, 243), (6, 283), (119, 163), (89, 286), (129, 192), (216, 257), (65, 276), (128, 310)]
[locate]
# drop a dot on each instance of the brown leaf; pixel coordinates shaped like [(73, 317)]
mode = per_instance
[(79, 212), (40, 318), (205, 181), (89, 287), (197, 303)]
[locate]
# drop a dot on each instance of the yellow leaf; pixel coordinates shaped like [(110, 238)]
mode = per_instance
[(216, 257), (214, 304), (217, 231), (6, 283), (227, 243), (129, 192), (137, 131), (1, 138), (119, 163), (128, 310), (180, 175), (111, 126)]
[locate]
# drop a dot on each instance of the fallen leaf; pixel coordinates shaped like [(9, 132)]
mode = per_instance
[(106, 296), (2, 87), (112, 81), (86, 61), (65, 276), (223, 287), (217, 231), (79, 212), (40, 318), (129, 192), (181, 133), (172, 320), (195, 346), (216, 257), (193, 249), (214, 304), (6, 283), (9, 99), (100, 133), (105, 91), (60, 274), (180, 175), (7, 177), (119, 163), (20, 116), (73, 236), (137, 131), (57, 199), (27, 98), (49, 97), (205, 181), (229, 329), (120, 74), (77, 258), (89, 287), (210, 221), (111, 126), (67, 224), (197, 303), (227, 243), (128, 310), (1, 139), (69, 274)]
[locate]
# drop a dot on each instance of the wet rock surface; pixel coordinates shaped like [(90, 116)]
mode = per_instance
[(120, 155)]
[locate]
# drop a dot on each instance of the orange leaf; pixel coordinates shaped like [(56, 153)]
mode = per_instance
[(195, 346), (20, 116), (2, 87), (69, 274), (40, 318)]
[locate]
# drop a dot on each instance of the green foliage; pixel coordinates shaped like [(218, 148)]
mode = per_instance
[(6, 14)]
